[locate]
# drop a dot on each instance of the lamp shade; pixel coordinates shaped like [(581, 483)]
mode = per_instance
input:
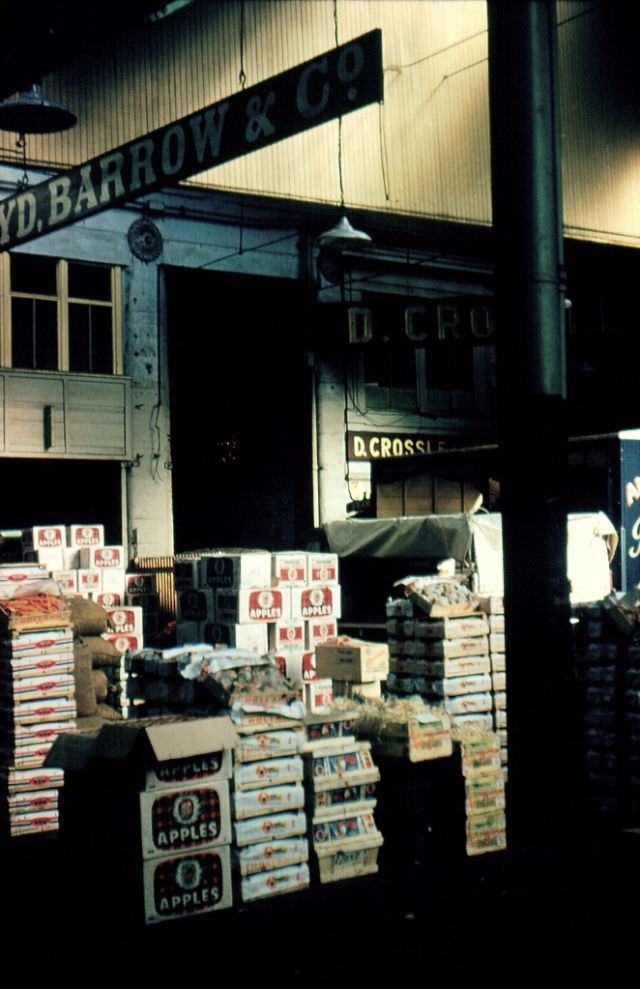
[(31, 113), (342, 232)]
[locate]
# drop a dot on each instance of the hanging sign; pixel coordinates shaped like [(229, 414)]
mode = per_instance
[(328, 86)]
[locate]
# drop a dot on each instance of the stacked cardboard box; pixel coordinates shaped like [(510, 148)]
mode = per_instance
[(271, 849), (484, 787), (354, 666), (341, 779), (153, 796), (37, 701), (281, 602), (604, 656), (493, 608)]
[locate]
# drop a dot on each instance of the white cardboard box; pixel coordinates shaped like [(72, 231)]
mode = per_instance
[(297, 665), (247, 568), (322, 568), (319, 629), (192, 816), (195, 882), (81, 535), (127, 621), (287, 635), (289, 568), (256, 604), (252, 636), (45, 536), (316, 601), (102, 557), (89, 581)]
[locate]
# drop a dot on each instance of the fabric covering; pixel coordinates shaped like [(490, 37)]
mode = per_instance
[(429, 537)]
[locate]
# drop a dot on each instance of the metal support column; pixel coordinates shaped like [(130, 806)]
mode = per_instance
[(530, 323)]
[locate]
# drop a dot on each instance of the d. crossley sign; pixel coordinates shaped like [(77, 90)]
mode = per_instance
[(328, 86)]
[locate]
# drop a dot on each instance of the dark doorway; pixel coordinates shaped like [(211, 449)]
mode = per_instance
[(59, 492), (240, 399)]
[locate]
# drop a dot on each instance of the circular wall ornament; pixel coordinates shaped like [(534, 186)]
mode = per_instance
[(145, 240)]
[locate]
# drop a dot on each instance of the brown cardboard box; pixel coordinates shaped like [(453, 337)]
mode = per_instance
[(352, 659)]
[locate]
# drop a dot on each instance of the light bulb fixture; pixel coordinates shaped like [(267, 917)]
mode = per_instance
[(32, 113), (341, 233)]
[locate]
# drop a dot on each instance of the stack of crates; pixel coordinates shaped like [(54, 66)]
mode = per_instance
[(37, 701), (270, 847), (341, 778), (493, 607)]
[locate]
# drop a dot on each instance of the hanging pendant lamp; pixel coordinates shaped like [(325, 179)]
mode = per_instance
[(32, 113), (342, 232)]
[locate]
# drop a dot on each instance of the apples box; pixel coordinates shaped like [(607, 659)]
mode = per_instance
[(287, 635), (345, 658), (249, 636), (113, 580), (187, 885), (297, 665), (124, 641), (268, 772), (247, 568), (316, 601), (89, 581), (270, 827), (150, 603), (184, 818), (108, 599), (267, 855), (126, 620), (160, 753), (196, 605), (283, 879), (45, 537), (52, 559), (289, 568), (82, 535), (185, 573), (102, 557), (322, 568), (140, 583), (320, 629), (67, 579), (268, 800), (259, 604), (318, 695)]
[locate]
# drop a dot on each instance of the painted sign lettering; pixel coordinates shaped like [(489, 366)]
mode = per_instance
[(328, 86)]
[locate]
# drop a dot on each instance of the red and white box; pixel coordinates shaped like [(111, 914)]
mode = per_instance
[(297, 665), (109, 599), (318, 695), (83, 535), (14, 576), (322, 568), (124, 641), (289, 568), (67, 579), (287, 635), (319, 629), (45, 537), (103, 557), (318, 601), (252, 604), (128, 620), (89, 581)]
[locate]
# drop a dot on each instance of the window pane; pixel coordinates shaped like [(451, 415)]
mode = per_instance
[(90, 341), (79, 338), (46, 335), (101, 348), (90, 281), (33, 274), (34, 335)]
